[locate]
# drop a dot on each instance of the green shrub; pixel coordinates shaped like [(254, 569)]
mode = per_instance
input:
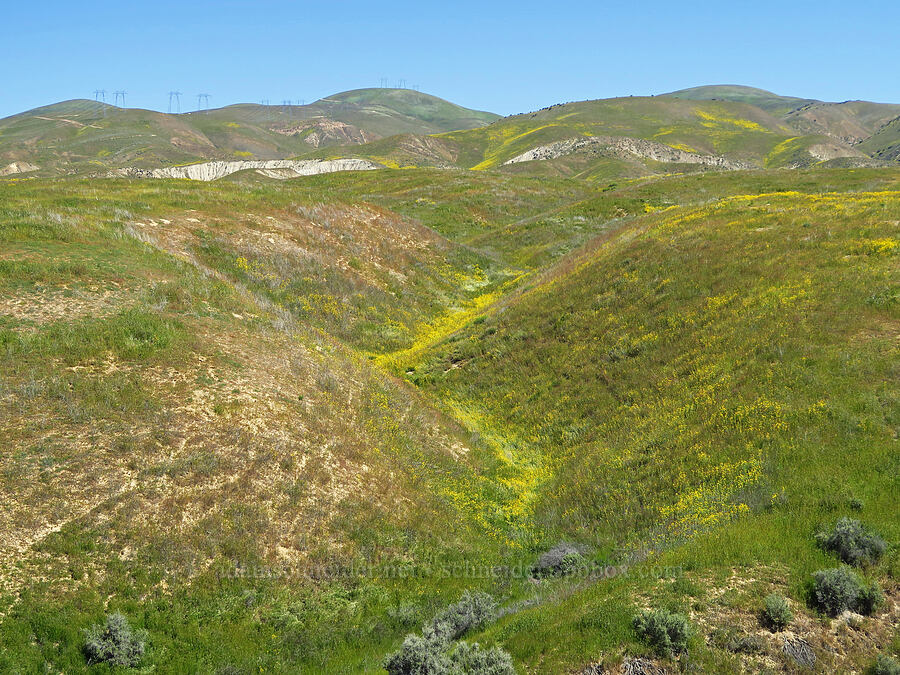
[(667, 632), (471, 659), (430, 654), (853, 543), (870, 599), (472, 611), (885, 665), (561, 560), (776, 612), (419, 655), (114, 642), (839, 589)]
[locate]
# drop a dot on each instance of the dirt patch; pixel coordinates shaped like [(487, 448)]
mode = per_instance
[(44, 306)]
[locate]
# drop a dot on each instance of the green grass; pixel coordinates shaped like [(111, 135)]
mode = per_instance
[(700, 368)]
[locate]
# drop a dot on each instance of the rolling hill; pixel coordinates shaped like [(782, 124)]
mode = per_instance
[(80, 136), (850, 122), (701, 129), (707, 128), (280, 425), (605, 358)]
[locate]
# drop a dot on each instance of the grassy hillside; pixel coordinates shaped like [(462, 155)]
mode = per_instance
[(885, 143), (748, 131), (603, 141), (850, 122), (280, 425), (77, 136), (714, 385)]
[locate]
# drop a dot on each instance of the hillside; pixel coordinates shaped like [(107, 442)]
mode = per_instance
[(80, 135), (280, 425), (717, 128), (610, 139), (849, 122)]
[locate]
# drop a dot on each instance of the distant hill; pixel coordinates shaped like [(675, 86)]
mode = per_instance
[(627, 137), (720, 127), (851, 122), (81, 135)]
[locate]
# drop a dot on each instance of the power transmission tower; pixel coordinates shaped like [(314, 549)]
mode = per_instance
[(201, 100), (100, 97), (384, 83), (401, 84), (176, 96), (117, 94), (286, 107), (264, 101)]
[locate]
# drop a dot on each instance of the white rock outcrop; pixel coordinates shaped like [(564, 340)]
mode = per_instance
[(17, 167), (620, 146), (285, 168)]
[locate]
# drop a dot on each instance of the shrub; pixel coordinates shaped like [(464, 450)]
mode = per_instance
[(114, 642), (839, 589), (776, 612), (471, 659), (885, 665), (668, 633), (559, 561), (472, 611), (419, 656), (430, 654), (853, 543), (870, 599)]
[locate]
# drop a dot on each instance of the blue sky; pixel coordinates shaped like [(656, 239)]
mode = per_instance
[(502, 56)]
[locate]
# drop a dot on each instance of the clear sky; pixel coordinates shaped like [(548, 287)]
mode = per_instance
[(495, 55)]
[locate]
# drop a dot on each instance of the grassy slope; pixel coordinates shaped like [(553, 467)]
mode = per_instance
[(179, 426), (885, 143), (737, 130), (730, 361), (851, 120), (78, 134)]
